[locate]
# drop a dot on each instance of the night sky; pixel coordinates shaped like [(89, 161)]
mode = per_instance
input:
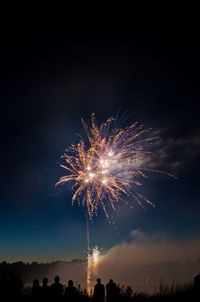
[(56, 70)]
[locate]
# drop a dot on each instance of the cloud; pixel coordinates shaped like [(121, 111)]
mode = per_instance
[(155, 248), (146, 260), (173, 152)]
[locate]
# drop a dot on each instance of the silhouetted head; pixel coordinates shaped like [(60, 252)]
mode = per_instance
[(57, 279), (70, 283), (36, 283), (98, 280), (111, 280), (45, 281)]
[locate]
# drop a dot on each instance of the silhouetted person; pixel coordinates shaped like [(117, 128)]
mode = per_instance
[(111, 291), (45, 289), (70, 292), (197, 285), (36, 288), (99, 291), (56, 288)]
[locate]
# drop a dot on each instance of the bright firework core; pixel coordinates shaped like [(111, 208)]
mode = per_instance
[(101, 171), (112, 165)]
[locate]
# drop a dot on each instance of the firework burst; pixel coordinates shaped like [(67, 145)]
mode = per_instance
[(110, 167)]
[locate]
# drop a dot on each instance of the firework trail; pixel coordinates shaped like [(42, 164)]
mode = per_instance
[(111, 166), (93, 258)]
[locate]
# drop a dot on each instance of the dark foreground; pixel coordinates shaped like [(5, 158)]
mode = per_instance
[(12, 290)]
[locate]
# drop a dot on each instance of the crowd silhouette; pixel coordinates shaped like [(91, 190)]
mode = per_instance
[(56, 292), (110, 293)]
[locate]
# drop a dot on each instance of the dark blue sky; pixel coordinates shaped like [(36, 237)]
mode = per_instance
[(55, 71)]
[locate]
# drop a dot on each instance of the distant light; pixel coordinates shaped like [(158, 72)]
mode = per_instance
[(91, 174)]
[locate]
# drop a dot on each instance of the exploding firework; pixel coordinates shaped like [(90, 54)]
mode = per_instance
[(110, 167)]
